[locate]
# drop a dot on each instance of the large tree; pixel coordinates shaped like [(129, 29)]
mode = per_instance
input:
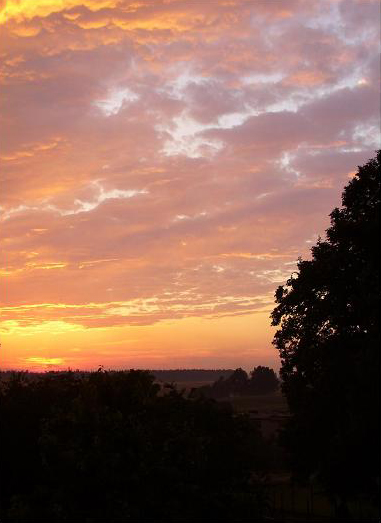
[(328, 338)]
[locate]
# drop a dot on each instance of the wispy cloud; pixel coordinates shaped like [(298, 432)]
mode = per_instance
[(170, 160)]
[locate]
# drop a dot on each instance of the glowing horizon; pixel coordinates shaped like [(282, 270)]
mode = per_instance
[(164, 163)]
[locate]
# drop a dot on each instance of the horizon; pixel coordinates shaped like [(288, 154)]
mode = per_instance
[(121, 369), (164, 166)]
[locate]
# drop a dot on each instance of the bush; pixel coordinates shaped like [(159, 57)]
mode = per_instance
[(107, 447)]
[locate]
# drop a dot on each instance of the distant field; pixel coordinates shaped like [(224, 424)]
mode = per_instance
[(189, 385), (274, 402)]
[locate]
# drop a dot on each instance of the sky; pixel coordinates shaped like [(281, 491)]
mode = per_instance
[(163, 165)]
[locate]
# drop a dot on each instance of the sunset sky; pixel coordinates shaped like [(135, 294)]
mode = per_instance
[(163, 165)]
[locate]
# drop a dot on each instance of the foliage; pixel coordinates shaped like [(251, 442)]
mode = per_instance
[(263, 380), (328, 340), (109, 447)]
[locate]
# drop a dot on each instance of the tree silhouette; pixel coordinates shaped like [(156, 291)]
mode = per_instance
[(237, 381), (107, 447), (328, 340), (263, 380)]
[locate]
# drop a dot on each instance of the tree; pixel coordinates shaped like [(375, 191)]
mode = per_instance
[(237, 381), (328, 340), (263, 380), (107, 446)]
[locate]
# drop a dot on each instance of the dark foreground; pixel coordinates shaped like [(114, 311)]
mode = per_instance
[(114, 447), (108, 447)]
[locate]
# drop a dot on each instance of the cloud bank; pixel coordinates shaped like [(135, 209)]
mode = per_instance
[(172, 159)]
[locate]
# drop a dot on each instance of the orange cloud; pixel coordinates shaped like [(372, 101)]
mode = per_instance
[(44, 361), (307, 78), (31, 150), (24, 9), (165, 163)]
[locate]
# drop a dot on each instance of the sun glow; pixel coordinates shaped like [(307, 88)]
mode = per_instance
[(164, 162), (44, 361), (26, 9)]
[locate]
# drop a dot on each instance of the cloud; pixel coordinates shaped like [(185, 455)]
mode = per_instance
[(24, 9), (171, 160)]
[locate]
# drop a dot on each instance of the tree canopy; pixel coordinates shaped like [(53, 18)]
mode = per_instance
[(263, 380), (328, 340), (109, 447)]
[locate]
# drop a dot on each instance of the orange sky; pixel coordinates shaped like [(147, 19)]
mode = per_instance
[(163, 165)]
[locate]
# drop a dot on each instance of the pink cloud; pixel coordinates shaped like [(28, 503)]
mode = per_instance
[(175, 152)]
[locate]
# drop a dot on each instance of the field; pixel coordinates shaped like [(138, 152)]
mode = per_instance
[(266, 403), (188, 385)]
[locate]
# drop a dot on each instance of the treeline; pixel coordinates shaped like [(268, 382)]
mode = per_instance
[(106, 446), (262, 380), (165, 375), (176, 375)]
